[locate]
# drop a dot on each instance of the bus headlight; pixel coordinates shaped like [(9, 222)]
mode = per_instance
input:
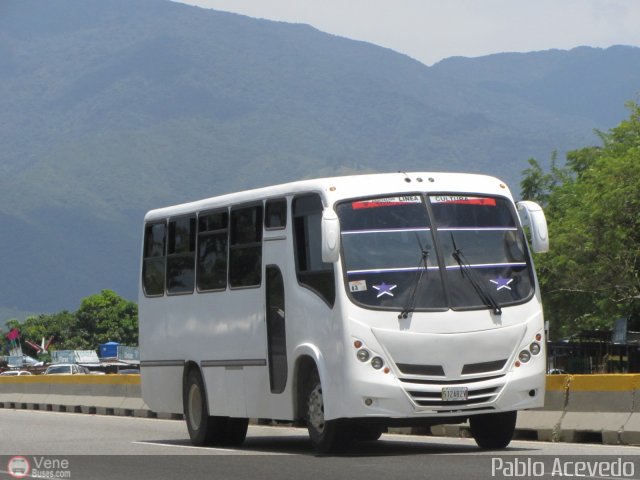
[(534, 348), (377, 363), (363, 355), (524, 356)]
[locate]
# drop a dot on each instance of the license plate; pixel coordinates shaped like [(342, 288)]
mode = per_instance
[(453, 394)]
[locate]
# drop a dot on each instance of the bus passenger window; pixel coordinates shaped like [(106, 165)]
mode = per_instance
[(311, 271), (181, 255), (212, 251), (276, 214), (245, 247), (154, 259)]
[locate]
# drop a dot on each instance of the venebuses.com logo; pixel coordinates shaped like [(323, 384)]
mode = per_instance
[(38, 467), (18, 467)]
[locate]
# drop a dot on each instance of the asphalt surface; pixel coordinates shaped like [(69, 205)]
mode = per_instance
[(77, 446)]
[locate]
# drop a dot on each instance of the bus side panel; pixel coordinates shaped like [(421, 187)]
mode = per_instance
[(161, 385), (261, 403), (225, 391), (162, 388), (215, 326)]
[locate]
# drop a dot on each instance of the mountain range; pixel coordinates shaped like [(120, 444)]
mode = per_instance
[(111, 108)]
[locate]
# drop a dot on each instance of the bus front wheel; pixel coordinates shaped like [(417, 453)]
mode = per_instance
[(365, 433), (326, 435), (493, 431)]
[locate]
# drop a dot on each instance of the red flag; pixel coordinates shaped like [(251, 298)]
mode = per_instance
[(34, 346)]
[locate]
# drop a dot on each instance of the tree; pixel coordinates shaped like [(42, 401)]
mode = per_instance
[(591, 276), (101, 318), (538, 185), (107, 317)]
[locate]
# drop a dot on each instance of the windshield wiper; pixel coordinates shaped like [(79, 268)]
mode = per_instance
[(422, 268), (465, 267)]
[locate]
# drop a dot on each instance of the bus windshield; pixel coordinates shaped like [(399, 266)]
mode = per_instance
[(433, 252)]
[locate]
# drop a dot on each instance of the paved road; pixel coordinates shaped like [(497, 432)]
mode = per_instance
[(97, 447)]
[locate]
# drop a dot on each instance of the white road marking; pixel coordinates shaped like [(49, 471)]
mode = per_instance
[(212, 449)]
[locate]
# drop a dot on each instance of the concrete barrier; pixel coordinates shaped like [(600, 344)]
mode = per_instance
[(598, 408), (95, 394), (631, 430), (578, 408), (133, 405)]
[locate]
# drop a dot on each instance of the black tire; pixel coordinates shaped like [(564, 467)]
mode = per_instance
[(368, 433), (235, 431), (327, 436), (203, 429), (493, 431)]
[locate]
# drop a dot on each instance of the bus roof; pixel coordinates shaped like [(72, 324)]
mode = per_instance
[(333, 189)]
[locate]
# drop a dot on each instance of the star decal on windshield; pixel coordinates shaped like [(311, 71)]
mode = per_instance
[(502, 282), (384, 289)]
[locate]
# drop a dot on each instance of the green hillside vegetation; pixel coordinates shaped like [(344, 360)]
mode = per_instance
[(113, 108), (591, 275), (589, 278)]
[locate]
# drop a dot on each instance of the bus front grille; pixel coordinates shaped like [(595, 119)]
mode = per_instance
[(425, 383), (434, 399)]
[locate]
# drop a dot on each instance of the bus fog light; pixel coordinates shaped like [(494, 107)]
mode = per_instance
[(377, 363), (368, 402), (524, 356), (535, 348), (363, 355)]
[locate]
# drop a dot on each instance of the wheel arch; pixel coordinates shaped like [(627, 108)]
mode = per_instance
[(307, 359)]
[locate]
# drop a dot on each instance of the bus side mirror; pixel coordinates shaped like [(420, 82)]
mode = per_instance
[(532, 216), (330, 236)]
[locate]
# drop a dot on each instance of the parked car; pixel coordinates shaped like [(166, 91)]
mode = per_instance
[(94, 372), (14, 373), (65, 369)]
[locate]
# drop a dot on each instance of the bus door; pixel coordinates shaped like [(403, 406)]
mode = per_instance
[(276, 333)]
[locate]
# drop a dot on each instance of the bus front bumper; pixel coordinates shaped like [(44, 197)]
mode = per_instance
[(401, 399)]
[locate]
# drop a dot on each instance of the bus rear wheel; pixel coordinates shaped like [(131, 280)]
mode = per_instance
[(203, 428), (235, 431), (327, 436), (493, 431)]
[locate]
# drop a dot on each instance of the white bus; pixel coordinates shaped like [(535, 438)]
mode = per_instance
[(346, 304)]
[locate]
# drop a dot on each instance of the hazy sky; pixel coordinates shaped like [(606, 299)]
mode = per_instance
[(430, 30)]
